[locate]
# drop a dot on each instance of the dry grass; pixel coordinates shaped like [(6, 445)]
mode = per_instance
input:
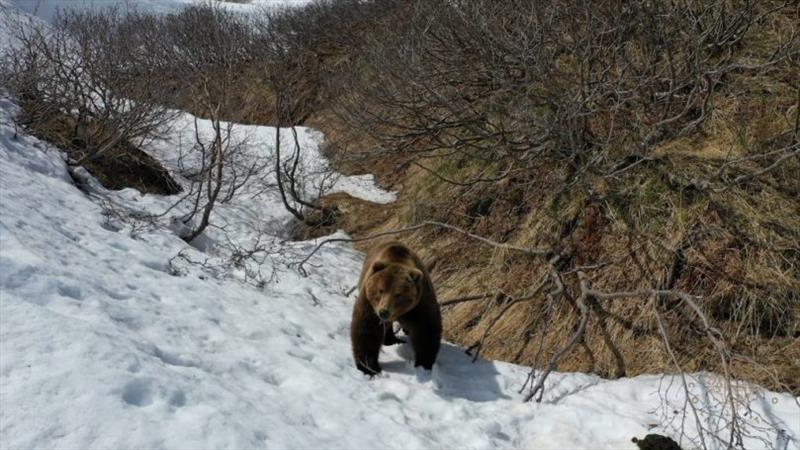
[(740, 252), (738, 248), (660, 225)]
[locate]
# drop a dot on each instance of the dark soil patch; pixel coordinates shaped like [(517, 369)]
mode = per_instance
[(321, 223), (129, 167), (122, 166), (355, 216)]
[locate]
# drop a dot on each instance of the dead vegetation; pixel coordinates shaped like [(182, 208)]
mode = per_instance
[(104, 83), (648, 149), (74, 84), (654, 143)]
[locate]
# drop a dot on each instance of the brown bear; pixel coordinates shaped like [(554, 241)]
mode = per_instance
[(394, 287)]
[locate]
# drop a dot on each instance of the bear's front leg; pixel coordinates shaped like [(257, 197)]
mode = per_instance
[(366, 348), (389, 338), (366, 335), (426, 346)]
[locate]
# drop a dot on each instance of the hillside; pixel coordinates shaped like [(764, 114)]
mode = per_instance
[(108, 341), (651, 146), (131, 316)]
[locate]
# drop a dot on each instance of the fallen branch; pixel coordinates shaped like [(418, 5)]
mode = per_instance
[(663, 332), (538, 388), (478, 345), (468, 298), (528, 251), (586, 292)]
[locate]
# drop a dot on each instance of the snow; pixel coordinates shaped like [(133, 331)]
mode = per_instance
[(47, 9), (108, 339), (105, 346), (258, 215)]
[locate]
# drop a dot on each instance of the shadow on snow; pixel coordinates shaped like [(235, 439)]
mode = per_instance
[(455, 375)]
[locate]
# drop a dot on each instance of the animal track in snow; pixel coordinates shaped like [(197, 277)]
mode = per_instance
[(19, 277), (173, 359), (178, 399), (272, 379), (69, 290), (158, 266), (118, 295), (301, 354), (134, 367), (138, 392)]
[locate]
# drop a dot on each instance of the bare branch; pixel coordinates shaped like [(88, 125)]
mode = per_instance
[(528, 251)]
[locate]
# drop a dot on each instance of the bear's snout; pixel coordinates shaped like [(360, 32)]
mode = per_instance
[(383, 314)]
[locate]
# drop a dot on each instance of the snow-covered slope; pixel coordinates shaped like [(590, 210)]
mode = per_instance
[(104, 345)]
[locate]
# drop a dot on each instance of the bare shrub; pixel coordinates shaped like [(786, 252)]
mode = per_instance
[(638, 207), (288, 48), (83, 74), (572, 125), (207, 46), (592, 84)]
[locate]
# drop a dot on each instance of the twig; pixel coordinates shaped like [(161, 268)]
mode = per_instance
[(662, 330), (538, 388), (429, 223), (468, 298), (509, 303)]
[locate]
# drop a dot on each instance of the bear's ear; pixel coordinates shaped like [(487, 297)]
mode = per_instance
[(415, 275), (377, 266)]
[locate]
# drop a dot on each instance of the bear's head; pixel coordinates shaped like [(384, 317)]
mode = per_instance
[(392, 289)]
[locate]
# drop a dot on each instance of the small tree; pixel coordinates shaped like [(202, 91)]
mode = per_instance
[(209, 46), (287, 59)]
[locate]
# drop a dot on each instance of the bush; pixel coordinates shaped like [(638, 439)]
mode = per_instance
[(651, 141), (80, 85)]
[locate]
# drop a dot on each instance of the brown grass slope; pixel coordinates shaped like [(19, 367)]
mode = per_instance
[(682, 219)]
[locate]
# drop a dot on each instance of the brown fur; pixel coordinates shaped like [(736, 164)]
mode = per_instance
[(394, 281)]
